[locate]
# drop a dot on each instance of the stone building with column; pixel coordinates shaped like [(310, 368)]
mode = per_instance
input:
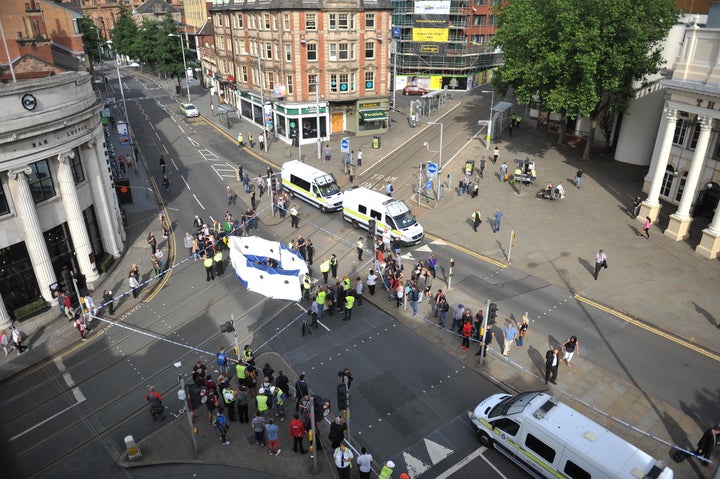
[(685, 165), (59, 214)]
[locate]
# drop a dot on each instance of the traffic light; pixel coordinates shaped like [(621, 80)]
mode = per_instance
[(228, 327), (322, 407), (492, 313), (342, 396)]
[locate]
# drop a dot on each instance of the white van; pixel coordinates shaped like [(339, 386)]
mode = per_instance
[(549, 439), (362, 207), (312, 185)]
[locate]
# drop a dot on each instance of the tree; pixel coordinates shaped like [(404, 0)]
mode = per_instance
[(579, 56), (124, 33), (92, 38)]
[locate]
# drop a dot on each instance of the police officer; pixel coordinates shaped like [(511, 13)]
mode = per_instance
[(249, 355), (229, 395), (387, 470), (325, 269), (218, 262), (208, 263), (262, 402), (307, 285), (359, 246), (320, 300), (294, 219), (241, 371), (349, 303), (241, 141), (333, 265)]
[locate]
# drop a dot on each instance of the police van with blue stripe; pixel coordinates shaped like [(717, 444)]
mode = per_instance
[(312, 185), (550, 440)]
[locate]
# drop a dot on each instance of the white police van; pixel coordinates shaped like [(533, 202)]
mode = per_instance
[(549, 439), (363, 207), (312, 185)]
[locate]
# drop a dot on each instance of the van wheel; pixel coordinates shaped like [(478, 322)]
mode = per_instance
[(292, 194), (355, 224), (485, 440), (323, 210)]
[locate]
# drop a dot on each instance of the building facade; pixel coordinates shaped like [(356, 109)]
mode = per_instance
[(318, 68), (686, 154), (444, 43)]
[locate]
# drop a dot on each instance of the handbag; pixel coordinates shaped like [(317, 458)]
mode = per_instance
[(604, 264)]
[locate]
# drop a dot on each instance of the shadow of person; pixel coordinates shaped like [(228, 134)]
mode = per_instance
[(708, 316), (590, 267)]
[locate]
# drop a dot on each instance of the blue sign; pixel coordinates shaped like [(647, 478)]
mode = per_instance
[(432, 169), (396, 32), (345, 145), (428, 185)]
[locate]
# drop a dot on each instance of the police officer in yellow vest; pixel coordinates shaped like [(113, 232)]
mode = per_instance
[(307, 285), (349, 303), (280, 397), (387, 470), (229, 395), (249, 355), (241, 371), (208, 263), (262, 402), (218, 261), (240, 140), (346, 284), (294, 218), (325, 269), (320, 300)]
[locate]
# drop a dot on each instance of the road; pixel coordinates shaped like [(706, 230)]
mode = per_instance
[(409, 397)]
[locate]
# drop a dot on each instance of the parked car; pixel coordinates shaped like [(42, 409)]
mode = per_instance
[(414, 90), (189, 110)]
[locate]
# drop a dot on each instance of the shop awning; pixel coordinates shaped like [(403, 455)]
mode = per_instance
[(373, 115)]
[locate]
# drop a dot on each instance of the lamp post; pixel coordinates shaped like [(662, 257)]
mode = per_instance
[(489, 125), (182, 47), (100, 61), (183, 396), (262, 97), (317, 112), (122, 95)]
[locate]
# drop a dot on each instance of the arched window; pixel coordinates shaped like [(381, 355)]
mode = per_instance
[(667, 181)]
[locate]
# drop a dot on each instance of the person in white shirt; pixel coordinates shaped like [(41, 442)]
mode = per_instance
[(371, 281), (364, 462), (343, 461), (560, 190)]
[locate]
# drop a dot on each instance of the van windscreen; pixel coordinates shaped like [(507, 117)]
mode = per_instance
[(404, 220), (327, 186), (513, 404)]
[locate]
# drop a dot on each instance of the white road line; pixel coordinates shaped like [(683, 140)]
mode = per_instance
[(463, 462), (165, 148), (198, 202), (157, 135), (493, 466), (193, 142), (16, 436), (217, 173), (305, 311), (174, 164), (186, 184)]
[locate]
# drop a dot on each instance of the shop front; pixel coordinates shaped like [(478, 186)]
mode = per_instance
[(298, 122), (372, 117)]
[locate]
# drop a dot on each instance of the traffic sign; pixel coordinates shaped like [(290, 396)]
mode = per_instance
[(345, 145), (432, 169)]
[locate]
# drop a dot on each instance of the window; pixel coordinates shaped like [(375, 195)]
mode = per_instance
[(479, 39), (540, 448), (238, 45), (251, 21), (40, 181), (369, 21), (362, 209), (344, 51), (218, 20), (76, 167), (491, 19), (340, 21), (244, 74), (369, 50), (369, 80), (266, 21), (681, 128), (312, 83), (267, 51), (332, 21), (376, 215), (479, 20), (695, 136), (480, 2), (270, 80), (289, 84), (238, 20), (681, 186), (333, 52), (286, 22), (4, 207), (341, 83), (221, 43), (507, 425), (310, 21), (274, 23), (311, 52), (575, 472), (288, 53)]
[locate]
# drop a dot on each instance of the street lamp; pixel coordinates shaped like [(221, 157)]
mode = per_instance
[(262, 97), (489, 125), (122, 94), (182, 47)]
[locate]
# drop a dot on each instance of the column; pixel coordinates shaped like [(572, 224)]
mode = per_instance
[(106, 209), (31, 232), (709, 246), (5, 320), (679, 226), (74, 217), (661, 155)]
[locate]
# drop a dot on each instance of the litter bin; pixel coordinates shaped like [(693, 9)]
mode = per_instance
[(376, 142)]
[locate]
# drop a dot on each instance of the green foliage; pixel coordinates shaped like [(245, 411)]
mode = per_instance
[(92, 38), (124, 33), (30, 309), (580, 56)]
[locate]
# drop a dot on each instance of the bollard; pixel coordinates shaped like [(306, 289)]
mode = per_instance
[(133, 451)]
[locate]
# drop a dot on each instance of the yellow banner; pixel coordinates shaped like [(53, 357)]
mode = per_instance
[(430, 34)]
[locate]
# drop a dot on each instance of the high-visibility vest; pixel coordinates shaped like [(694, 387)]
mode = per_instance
[(279, 396), (307, 282), (320, 298), (208, 262), (325, 266), (248, 354), (262, 403), (349, 302), (228, 395), (385, 473), (346, 284), (293, 211), (218, 257), (241, 371)]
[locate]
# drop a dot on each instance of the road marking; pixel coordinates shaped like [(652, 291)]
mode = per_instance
[(186, 183), (193, 142), (198, 201), (437, 452), (77, 395), (650, 328), (463, 462), (467, 251)]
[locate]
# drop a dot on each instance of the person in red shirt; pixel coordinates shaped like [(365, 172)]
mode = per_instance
[(156, 405), (297, 432), (466, 332)]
